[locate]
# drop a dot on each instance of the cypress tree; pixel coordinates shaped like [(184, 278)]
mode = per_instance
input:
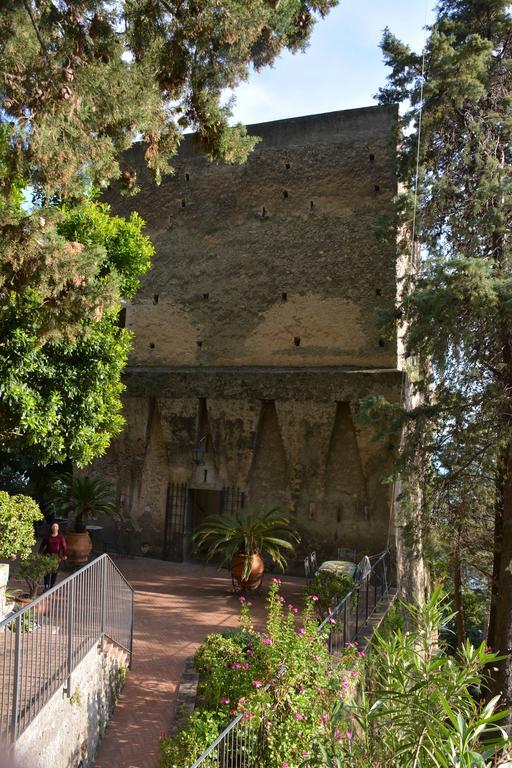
[(457, 308)]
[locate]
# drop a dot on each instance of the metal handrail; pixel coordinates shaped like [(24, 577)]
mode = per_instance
[(218, 740), (349, 596), (49, 592), (43, 643)]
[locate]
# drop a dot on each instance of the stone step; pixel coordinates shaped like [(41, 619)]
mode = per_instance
[(365, 635)]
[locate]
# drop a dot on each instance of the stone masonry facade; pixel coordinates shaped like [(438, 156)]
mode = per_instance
[(255, 335)]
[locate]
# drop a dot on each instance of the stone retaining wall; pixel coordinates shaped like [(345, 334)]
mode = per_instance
[(67, 731)]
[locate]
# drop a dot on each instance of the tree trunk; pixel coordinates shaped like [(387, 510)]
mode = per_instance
[(457, 590), (498, 539), (503, 604)]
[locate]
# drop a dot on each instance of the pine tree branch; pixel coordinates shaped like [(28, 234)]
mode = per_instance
[(28, 9), (167, 7)]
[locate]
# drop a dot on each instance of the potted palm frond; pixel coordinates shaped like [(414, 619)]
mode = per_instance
[(81, 498), (242, 538)]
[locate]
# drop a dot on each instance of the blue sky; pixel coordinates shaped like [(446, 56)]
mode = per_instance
[(341, 69)]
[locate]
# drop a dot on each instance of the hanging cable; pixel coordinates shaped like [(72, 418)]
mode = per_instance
[(420, 117)]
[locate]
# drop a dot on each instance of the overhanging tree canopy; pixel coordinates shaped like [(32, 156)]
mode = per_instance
[(79, 83)]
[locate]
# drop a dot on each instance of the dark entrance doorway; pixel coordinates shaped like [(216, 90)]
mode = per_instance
[(202, 504), (186, 508)]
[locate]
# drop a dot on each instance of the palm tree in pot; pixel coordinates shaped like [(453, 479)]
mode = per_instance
[(242, 538), (82, 497)]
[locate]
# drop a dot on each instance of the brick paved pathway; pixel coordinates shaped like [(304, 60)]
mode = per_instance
[(176, 605)]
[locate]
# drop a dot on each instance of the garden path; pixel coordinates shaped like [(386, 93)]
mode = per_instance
[(176, 605)]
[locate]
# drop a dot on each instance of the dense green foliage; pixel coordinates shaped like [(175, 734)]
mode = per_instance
[(329, 589), (17, 517), (62, 351), (81, 81), (457, 309), (246, 533), (420, 706), (79, 84), (282, 679), (34, 568), (82, 497)]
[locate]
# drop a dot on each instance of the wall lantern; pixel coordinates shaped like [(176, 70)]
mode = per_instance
[(199, 452)]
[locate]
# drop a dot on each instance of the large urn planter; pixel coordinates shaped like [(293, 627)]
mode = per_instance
[(256, 569), (79, 549), (240, 539)]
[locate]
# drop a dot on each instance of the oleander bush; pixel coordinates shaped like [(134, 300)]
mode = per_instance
[(281, 678), (420, 707)]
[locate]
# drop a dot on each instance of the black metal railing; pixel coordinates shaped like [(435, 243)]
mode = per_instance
[(346, 621), (240, 743), (45, 641)]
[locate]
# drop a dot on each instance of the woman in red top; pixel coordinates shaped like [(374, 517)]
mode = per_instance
[(54, 544)]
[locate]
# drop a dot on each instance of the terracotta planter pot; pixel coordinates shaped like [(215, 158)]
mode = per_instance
[(255, 577), (79, 549)]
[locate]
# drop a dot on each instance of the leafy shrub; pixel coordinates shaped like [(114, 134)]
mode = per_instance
[(17, 517), (419, 708), (203, 727), (283, 677), (330, 589), (33, 569)]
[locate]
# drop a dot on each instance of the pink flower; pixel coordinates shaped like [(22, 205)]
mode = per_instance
[(361, 653), (267, 641), (290, 607), (250, 652), (314, 598), (242, 599), (353, 673), (224, 700), (345, 684), (324, 718), (285, 765), (348, 735), (305, 754), (301, 632), (248, 715), (331, 620), (163, 735), (276, 581), (245, 666), (257, 683), (299, 716), (236, 666)]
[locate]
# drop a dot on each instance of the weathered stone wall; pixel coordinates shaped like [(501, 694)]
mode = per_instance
[(257, 327), (250, 259), (67, 731)]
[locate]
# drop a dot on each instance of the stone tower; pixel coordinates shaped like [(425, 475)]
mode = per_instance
[(256, 333)]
